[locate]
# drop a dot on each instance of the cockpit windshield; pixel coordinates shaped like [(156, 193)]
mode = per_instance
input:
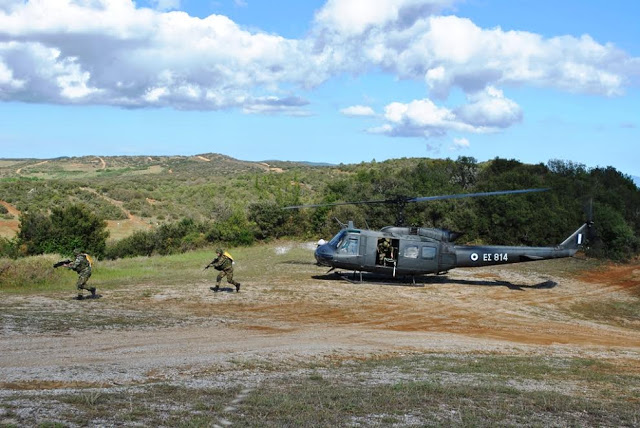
[(335, 241)]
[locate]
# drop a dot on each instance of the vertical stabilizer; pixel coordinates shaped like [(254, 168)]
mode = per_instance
[(578, 238)]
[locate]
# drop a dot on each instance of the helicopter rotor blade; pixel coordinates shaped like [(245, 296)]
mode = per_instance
[(474, 195), (403, 200), (333, 204)]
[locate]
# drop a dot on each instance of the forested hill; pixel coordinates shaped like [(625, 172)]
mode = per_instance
[(209, 198)]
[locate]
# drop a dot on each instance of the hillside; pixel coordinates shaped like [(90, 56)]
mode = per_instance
[(235, 201), (130, 192)]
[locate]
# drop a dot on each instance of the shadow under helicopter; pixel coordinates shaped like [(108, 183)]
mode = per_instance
[(371, 278)]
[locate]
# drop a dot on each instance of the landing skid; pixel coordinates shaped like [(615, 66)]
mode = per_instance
[(359, 278)]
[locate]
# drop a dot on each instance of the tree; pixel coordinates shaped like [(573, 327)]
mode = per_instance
[(34, 236), (64, 230), (269, 218)]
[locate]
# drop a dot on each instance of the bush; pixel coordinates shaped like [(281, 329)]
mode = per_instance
[(9, 248), (269, 218), (140, 243), (616, 239), (182, 236), (65, 229), (235, 230), (29, 272)]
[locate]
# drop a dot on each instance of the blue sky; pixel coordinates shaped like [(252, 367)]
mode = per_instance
[(323, 81)]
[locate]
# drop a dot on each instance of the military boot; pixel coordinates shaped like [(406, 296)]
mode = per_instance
[(93, 292), (215, 289), (237, 287), (80, 297)]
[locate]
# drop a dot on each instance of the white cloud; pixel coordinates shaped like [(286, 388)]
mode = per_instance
[(487, 111), (449, 51), (165, 5), (459, 144), (272, 105), (109, 52), (351, 17), (112, 52), (358, 111), (490, 108)]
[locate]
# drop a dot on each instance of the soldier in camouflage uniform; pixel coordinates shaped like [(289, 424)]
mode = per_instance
[(384, 250), (82, 265), (224, 263)]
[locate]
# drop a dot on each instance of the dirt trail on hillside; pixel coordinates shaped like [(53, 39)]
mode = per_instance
[(19, 170), (10, 208), (189, 330), (9, 227), (137, 221)]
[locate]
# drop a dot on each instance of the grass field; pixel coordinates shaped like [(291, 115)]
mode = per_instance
[(296, 348), (427, 390)]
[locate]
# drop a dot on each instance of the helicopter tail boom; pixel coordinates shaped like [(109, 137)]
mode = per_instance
[(475, 256)]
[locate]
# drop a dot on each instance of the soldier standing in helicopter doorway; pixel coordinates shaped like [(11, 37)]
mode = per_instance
[(224, 263), (384, 250)]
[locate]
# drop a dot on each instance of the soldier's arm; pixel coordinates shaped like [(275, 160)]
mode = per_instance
[(75, 263)]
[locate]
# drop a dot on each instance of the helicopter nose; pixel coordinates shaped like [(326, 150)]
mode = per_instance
[(324, 255)]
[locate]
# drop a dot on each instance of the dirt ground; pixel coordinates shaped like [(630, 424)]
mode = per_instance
[(9, 227), (183, 331)]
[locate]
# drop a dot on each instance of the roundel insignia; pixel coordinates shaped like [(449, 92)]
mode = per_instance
[(474, 257)]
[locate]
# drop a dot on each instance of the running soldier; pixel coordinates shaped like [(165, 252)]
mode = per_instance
[(82, 265), (224, 263)]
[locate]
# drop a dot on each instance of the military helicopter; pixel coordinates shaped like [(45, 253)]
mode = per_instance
[(414, 251)]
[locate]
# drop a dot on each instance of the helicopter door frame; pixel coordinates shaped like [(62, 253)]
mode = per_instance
[(362, 252), (447, 258)]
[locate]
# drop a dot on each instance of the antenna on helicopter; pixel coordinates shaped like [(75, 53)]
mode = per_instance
[(342, 225)]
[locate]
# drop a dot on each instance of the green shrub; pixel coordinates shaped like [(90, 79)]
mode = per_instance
[(29, 272), (140, 243), (74, 226), (9, 248)]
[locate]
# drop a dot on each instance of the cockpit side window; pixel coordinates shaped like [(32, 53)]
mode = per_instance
[(349, 245)]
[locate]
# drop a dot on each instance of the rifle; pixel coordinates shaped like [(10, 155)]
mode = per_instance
[(62, 263), (211, 264)]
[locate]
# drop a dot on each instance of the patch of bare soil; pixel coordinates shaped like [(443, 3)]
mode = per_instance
[(9, 228), (622, 276), (186, 330)]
